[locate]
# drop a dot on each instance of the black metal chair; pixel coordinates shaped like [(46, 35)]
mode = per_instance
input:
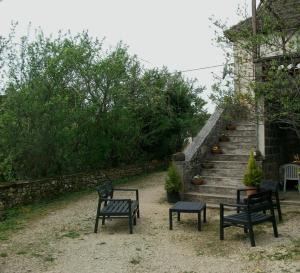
[(253, 212), (266, 185), (110, 207)]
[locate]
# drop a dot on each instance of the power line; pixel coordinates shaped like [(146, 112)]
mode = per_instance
[(201, 68)]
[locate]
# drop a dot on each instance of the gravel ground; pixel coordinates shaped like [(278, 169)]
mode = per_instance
[(62, 241)]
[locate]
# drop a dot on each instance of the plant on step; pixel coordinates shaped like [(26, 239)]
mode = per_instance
[(198, 180), (173, 181), (253, 175)]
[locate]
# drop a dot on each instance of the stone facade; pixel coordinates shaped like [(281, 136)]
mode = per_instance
[(26, 192)]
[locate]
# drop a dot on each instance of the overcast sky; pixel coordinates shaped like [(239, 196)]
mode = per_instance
[(174, 33)]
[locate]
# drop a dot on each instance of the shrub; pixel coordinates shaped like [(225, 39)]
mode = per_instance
[(253, 175), (173, 180)]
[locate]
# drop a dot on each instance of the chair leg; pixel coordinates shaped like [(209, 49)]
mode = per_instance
[(96, 224), (274, 227), (251, 234), (138, 212), (245, 230), (170, 220), (134, 220), (103, 220), (130, 223), (278, 208), (97, 218), (221, 222)]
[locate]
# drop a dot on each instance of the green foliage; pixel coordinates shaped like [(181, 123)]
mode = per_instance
[(253, 175), (275, 94), (173, 181), (72, 106)]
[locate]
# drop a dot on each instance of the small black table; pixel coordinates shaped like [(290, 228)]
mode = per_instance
[(188, 207)]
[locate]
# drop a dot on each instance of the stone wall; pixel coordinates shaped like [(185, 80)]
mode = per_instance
[(26, 192)]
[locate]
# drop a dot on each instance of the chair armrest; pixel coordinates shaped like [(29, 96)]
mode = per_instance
[(136, 192), (119, 189), (233, 205), (113, 199)]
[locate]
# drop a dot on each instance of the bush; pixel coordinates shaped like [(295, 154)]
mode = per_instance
[(253, 175), (173, 181)]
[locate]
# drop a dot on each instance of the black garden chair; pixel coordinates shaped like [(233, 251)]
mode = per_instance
[(266, 185), (252, 212), (110, 207)]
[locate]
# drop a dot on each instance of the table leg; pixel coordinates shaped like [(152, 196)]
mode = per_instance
[(170, 220), (199, 221), (204, 214), (178, 216)]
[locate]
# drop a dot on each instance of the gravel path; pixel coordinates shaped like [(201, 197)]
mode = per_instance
[(62, 241)]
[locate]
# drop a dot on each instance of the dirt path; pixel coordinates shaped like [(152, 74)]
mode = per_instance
[(63, 241)]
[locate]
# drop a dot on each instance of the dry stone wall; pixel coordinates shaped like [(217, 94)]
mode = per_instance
[(26, 192)]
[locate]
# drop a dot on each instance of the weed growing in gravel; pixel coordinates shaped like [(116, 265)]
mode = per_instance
[(3, 254), (72, 234), (49, 259), (135, 260), (290, 252)]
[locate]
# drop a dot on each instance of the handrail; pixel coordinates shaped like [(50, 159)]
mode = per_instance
[(211, 128)]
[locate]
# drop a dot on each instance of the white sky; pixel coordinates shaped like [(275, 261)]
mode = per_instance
[(174, 33)]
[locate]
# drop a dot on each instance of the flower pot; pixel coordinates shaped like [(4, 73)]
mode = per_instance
[(198, 181), (173, 197), (223, 138), (251, 190), (216, 149), (230, 127)]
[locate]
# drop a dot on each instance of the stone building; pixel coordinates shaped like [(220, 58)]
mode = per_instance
[(278, 26)]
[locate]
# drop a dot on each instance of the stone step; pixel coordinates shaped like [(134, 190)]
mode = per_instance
[(246, 126), (215, 189), (221, 181), (238, 173), (241, 133), (228, 157), (243, 139), (236, 151), (226, 164), (236, 145), (209, 198)]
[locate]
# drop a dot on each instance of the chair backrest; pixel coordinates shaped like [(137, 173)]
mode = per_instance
[(291, 171), (260, 201), (268, 185), (105, 190)]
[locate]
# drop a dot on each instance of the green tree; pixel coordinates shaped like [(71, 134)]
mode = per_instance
[(70, 105)]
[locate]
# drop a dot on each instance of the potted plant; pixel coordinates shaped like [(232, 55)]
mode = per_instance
[(198, 180), (253, 175), (173, 185), (216, 149)]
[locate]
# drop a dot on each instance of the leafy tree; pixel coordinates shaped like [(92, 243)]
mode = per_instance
[(70, 106)]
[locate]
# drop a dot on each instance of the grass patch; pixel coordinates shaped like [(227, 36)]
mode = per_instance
[(49, 259), (72, 234), (3, 254), (21, 252), (17, 218), (291, 252)]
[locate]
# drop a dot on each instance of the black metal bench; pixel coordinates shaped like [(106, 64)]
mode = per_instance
[(110, 207)]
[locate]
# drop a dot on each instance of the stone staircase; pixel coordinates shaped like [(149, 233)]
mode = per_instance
[(223, 173)]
